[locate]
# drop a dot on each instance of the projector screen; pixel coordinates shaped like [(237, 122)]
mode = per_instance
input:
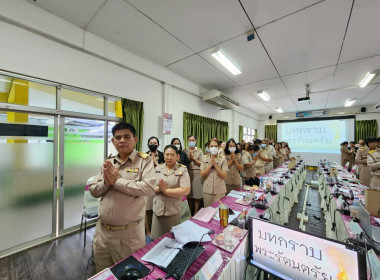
[(316, 138)]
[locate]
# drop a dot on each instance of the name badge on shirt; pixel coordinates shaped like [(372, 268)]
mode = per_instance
[(178, 173), (133, 170), (158, 171)]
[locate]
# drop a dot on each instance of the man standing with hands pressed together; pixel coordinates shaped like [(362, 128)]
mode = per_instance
[(123, 183)]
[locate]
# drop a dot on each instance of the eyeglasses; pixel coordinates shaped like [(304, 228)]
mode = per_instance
[(125, 136)]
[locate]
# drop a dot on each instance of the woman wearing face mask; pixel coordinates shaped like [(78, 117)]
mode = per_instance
[(195, 157), (235, 166), (278, 159), (222, 146), (183, 157), (158, 158), (173, 182), (214, 172), (288, 151), (249, 159), (283, 151)]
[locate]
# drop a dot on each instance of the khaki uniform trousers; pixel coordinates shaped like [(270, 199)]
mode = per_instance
[(232, 187), (113, 246), (365, 175), (163, 224), (209, 199)]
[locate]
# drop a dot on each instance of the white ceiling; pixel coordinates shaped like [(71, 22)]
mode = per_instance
[(328, 44)]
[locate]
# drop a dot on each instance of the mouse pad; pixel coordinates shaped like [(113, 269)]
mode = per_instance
[(129, 262)]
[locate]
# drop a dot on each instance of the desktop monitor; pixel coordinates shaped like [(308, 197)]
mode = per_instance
[(292, 254)]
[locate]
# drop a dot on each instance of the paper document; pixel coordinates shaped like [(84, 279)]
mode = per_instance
[(188, 231), (230, 217), (377, 220), (160, 255)]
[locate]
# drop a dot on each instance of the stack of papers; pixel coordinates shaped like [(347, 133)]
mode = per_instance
[(205, 214), (237, 194), (163, 253), (189, 231)]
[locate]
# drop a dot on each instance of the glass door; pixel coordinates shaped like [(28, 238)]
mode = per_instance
[(83, 153), (27, 178)]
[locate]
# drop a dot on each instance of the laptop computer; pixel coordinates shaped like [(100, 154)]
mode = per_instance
[(365, 222)]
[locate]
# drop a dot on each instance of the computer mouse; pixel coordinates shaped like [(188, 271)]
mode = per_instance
[(131, 274)]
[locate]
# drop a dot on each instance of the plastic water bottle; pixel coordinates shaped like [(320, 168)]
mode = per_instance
[(356, 201)]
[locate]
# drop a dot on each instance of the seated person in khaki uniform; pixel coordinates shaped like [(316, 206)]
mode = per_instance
[(214, 172), (373, 161), (173, 182), (123, 184), (235, 166)]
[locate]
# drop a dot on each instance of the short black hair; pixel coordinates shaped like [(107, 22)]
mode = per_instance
[(191, 135), (154, 137), (371, 139), (171, 146), (352, 142), (206, 144), (180, 143), (227, 151), (124, 125), (344, 143), (257, 141)]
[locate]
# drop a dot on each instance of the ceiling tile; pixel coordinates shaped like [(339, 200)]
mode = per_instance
[(258, 108), (286, 104), (122, 24), (318, 80), (274, 87), (309, 39), (75, 11), (372, 98), (352, 73), (361, 39), (340, 96), (250, 57), (199, 71), (199, 24), (239, 95), (264, 11)]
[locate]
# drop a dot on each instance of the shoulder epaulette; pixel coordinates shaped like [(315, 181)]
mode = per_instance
[(205, 155), (370, 152), (184, 166), (110, 156), (143, 155), (222, 156), (238, 154)]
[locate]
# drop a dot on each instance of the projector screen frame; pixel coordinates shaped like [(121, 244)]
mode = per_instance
[(361, 254)]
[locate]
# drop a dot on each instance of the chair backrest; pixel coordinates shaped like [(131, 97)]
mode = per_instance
[(88, 199)]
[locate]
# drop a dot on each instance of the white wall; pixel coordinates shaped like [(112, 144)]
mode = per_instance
[(59, 51)]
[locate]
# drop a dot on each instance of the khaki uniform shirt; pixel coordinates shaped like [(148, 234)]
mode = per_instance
[(212, 183), (373, 161), (124, 202), (265, 153), (233, 174), (197, 154), (345, 155), (164, 205), (248, 172), (361, 156)]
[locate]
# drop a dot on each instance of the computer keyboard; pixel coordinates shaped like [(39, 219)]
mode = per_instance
[(179, 264)]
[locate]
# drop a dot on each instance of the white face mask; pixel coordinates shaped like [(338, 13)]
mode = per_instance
[(232, 149), (214, 150), (178, 147)]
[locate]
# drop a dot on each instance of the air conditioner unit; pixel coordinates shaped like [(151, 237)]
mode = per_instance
[(216, 98)]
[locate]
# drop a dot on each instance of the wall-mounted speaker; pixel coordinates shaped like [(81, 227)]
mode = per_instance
[(270, 117), (363, 109)]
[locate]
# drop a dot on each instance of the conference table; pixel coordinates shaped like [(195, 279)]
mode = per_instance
[(343, 229), (234, 263)]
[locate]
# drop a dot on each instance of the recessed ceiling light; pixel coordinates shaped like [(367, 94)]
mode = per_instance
[(286, 117), (225, 61), (368, 78), (279, 110), (340, 113), (263, 95), (349, 102)]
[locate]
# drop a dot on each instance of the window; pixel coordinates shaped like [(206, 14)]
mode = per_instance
[(248, 134)]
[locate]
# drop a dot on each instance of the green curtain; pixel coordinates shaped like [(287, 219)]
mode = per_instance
[(365, 129), (133, 113), (271, 132), (256, 136), (240, 133), (203, 128)]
